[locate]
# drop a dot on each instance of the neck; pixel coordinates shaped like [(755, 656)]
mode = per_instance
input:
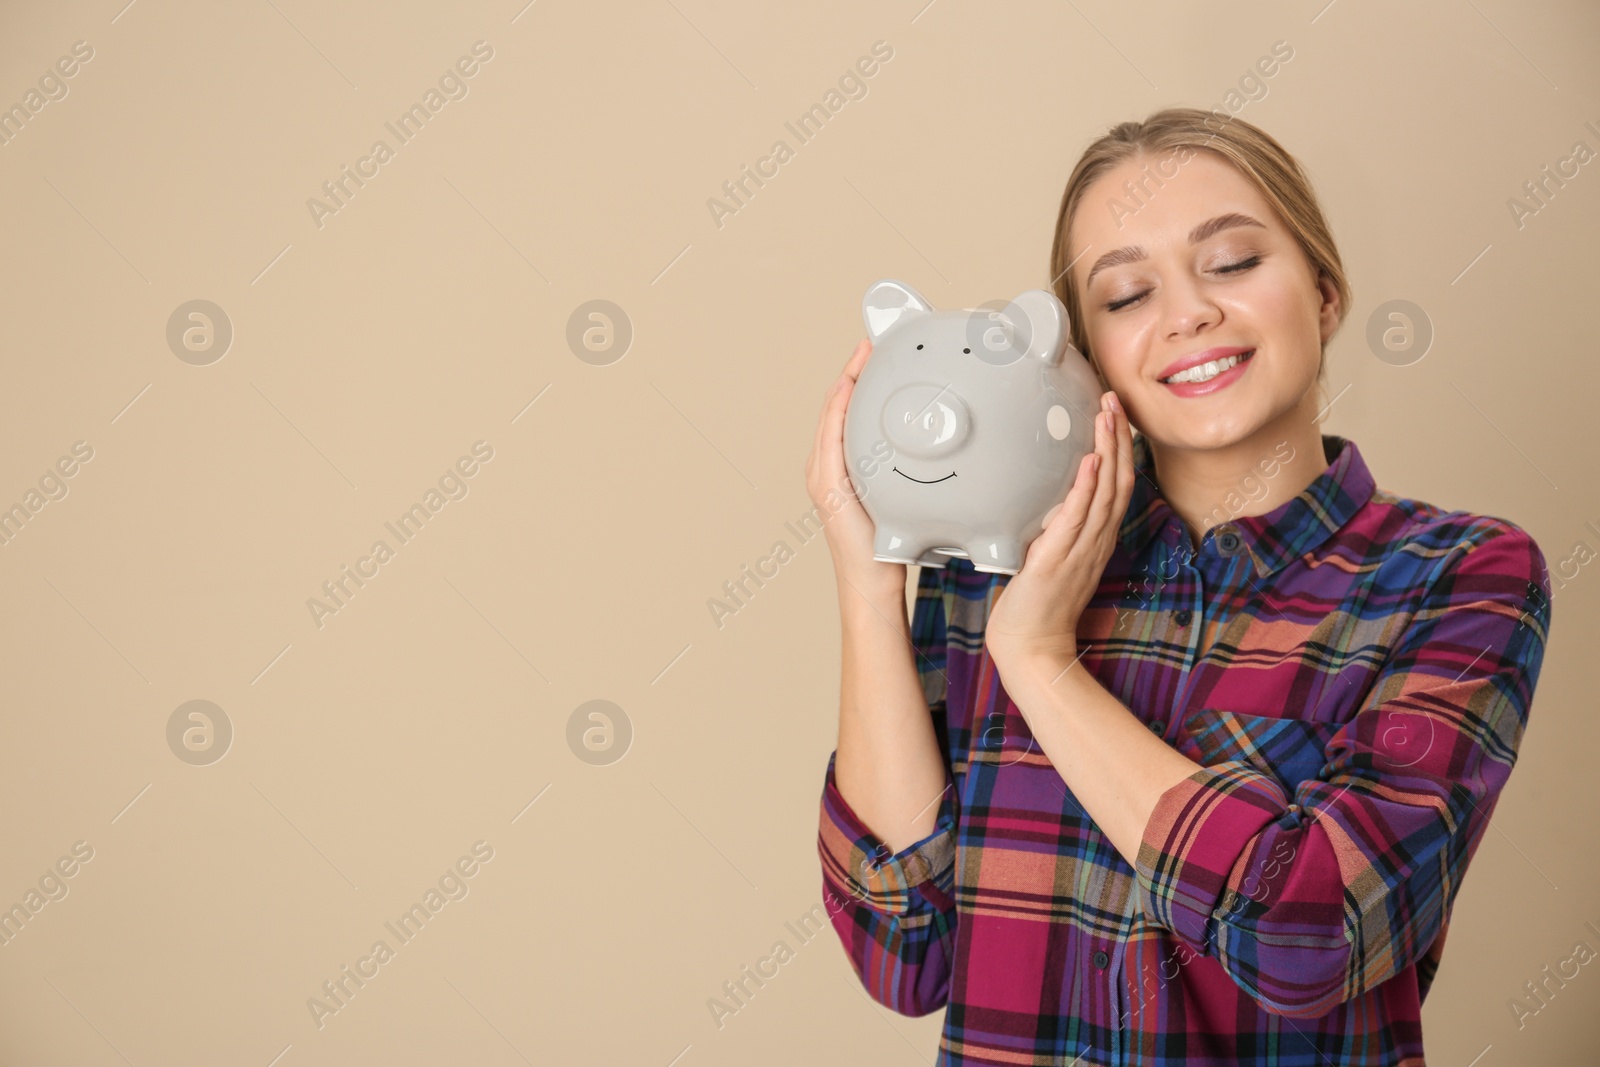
[(1209, 486)]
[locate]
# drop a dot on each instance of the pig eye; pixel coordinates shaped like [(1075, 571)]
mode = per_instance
[(919, 348), (968, 351)]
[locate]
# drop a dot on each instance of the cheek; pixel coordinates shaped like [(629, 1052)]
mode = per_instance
[(1117, 344), (1278, 312), (1283, 305)]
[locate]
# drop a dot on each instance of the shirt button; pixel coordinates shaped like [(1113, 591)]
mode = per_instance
[(1228, 542), (1182, 617), (1101, 959), (1155, 727)]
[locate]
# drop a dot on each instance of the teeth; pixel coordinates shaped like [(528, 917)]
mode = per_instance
[(1206, 371)]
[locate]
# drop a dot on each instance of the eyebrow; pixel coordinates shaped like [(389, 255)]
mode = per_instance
[(1134, 253)]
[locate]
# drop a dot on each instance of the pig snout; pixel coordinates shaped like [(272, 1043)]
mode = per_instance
[(926, 421)]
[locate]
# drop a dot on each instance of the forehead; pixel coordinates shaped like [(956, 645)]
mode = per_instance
[(1161, 207)]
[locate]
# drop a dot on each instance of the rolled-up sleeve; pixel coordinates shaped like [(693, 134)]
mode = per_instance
[(859, 863), (895, 913), (1310, 899)]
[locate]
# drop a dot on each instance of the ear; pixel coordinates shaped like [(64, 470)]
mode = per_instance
[(888, 302), (1038, 316)]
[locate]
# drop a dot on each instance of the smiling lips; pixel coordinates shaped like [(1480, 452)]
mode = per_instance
[(1199, 360), (1206, 372)]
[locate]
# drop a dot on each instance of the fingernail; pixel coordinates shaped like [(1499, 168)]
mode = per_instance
[(1116, 405)]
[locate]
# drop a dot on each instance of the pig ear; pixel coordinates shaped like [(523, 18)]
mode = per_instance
[(1041, 318), (888, 302)]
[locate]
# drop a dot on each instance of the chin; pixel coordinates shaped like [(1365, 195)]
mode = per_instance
[(1215, 433)]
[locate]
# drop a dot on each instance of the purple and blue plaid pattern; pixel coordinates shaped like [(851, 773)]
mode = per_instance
[(1353, 671)]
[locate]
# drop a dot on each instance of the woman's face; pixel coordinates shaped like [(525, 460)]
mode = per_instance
[(1153, 297)]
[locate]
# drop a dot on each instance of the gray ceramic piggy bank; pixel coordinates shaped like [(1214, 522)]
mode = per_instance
[(966, 426)]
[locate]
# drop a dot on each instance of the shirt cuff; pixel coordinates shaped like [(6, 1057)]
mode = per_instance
[(1196, 834), (857, 861)]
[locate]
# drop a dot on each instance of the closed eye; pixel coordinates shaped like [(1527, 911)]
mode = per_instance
[(1231, 268)]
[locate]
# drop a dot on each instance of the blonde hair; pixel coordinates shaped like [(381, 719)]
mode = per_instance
[(1261, 160)]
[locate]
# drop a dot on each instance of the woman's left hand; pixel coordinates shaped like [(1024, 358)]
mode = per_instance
[(1035, 618)]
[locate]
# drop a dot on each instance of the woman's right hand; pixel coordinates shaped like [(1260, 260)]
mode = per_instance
[(849, 529)]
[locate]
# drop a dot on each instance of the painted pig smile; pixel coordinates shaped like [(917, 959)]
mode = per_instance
[(935, 481)]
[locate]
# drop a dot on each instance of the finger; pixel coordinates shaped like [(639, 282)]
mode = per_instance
[(1116, 459), (1105, 481), (816, 438), (1126, 471), (822, 417), (1091, 542), (833, 436), (852, 368), (830, 425), (858, 358), (841, 399), (1062, 530)]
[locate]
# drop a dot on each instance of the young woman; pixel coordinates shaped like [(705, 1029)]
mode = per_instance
[(1200, 783)]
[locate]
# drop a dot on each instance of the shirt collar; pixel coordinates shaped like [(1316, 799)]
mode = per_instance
[(1288, 531)]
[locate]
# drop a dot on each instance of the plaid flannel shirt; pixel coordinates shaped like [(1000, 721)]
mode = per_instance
[(1352, 671)]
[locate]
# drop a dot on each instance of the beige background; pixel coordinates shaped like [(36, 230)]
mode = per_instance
[(370, 353)]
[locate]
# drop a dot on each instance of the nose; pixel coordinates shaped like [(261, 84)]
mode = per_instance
[(926, 421), (1187, 309)]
